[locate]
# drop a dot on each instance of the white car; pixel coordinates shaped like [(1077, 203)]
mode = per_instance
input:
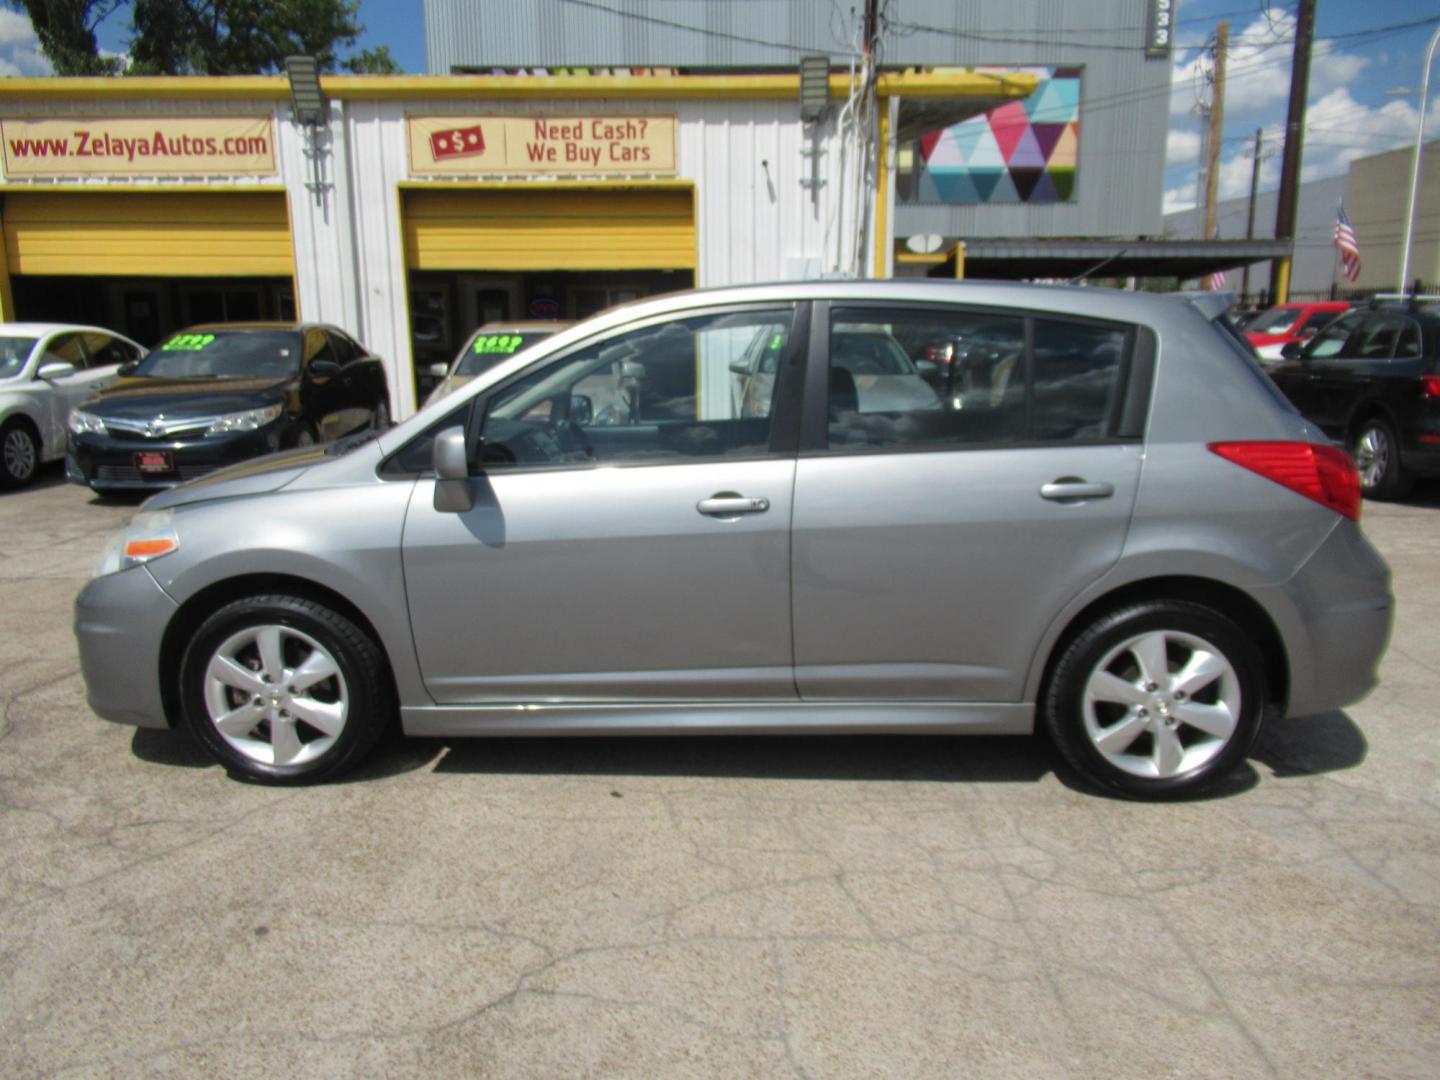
[(46, 369)]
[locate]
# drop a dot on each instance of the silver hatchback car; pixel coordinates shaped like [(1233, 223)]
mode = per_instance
[(1114, 525)]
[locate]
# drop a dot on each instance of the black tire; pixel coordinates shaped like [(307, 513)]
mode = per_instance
[(366, 693), (1375, 445), (19, 454), (1070, 721)]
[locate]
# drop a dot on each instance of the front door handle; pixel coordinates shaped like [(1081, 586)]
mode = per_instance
[(728, 504), (1073, 489)]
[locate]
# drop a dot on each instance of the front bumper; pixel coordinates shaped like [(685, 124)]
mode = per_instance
[(120, 620), (107, 463)]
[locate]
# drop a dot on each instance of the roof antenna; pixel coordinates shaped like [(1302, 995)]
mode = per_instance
[(1103, 262)]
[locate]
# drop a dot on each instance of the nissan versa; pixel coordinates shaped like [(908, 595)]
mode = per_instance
[(215, 395), (1114, 525)]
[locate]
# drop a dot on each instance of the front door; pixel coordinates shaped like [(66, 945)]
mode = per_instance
[(936, 538), (630, 533)]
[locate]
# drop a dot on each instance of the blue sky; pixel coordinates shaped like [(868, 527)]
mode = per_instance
[(1352, 112)]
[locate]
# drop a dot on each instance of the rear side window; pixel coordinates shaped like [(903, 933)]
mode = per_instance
[(914, 377)]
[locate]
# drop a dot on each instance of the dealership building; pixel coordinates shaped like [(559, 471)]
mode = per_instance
[(411, 209)]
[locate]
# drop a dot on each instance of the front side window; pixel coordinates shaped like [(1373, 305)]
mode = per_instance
[(662, 393), (911, 377), (65, 349), (223, 354)]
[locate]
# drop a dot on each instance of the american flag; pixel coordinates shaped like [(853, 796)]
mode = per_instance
[(1348, 245), (1216, 281)]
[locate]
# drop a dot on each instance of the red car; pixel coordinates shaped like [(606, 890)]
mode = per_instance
[(1272, 330)]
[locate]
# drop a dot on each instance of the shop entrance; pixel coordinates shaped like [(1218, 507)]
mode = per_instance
[(147, 264), (512, 253)]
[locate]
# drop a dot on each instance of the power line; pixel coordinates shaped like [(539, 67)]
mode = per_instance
[(703, 31)]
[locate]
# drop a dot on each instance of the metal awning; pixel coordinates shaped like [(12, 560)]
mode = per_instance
[(1010, 259)]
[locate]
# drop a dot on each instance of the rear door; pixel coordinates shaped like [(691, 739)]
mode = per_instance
[(934, 542), (1300, 378)]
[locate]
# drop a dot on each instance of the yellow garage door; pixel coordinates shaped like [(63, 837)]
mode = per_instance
[(180, 234), (567, 229)]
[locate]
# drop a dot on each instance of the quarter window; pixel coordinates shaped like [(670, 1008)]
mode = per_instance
[(688, 388)]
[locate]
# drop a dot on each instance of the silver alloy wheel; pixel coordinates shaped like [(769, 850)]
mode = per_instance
[(276, 695), (1372, 455), (19, 453), (1161, 704)]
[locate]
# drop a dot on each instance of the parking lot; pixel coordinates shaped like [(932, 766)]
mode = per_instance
[(736, 907)]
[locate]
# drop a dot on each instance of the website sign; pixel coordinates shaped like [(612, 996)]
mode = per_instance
[(160, 146)]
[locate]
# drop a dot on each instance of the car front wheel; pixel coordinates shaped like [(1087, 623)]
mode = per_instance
[(1161, 699), (1377, 456), (285, 690)]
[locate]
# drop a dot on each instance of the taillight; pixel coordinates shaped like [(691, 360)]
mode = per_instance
[(1430, 386), (1323, 473)]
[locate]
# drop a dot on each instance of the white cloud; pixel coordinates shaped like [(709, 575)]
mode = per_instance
[(19, 47), (1180, 198), (1182, 145)]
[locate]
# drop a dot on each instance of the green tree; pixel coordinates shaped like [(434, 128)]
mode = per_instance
[(204, 37)]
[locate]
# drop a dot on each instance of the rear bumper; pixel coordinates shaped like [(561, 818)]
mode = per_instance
[(1335, 615), (119, 622)]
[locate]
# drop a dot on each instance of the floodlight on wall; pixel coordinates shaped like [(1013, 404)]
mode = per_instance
[(307, 103), (814, 87), (309, 110)]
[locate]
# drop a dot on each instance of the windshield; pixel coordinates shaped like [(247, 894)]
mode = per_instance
[(224, 354), (1273, 321), (14, 351), (485, 350)]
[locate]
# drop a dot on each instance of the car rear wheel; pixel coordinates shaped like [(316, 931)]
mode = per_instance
[(284, 690), (19, 454), (1377, 456), (1158, 700)]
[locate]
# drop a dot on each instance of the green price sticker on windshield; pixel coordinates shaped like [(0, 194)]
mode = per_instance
[(187, 343), (498, 344)]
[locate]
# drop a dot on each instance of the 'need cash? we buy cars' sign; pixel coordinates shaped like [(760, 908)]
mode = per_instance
[(541, 145)]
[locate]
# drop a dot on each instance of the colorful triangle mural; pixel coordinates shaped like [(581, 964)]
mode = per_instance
[(1022, 152)]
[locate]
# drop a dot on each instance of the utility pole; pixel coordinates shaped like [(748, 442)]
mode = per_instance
[(1294, 141), (872, 23), (1250, 218), (1217, 125)]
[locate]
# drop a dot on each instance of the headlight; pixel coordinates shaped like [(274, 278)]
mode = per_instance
[(249, 420), (148, 536), (81, 422)]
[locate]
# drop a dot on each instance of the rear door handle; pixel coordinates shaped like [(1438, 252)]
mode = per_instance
[(728, 504), (1073, 489)]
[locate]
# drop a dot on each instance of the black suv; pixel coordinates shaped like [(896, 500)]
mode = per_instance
[(1372, 380)]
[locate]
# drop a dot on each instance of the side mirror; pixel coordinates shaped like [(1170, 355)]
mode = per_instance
[(323, 369), (439, 371), (1291, 350), (582, 409), (739, 367), (452, 472), (56, 369)]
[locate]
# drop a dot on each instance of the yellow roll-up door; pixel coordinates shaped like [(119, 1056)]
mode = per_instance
[(567, 229), (180, 234)]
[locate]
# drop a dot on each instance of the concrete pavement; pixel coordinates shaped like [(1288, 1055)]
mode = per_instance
[(725, 907)]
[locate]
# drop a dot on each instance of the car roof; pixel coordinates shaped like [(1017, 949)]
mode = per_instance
[(233, 327), (510, 326), (40, 329)]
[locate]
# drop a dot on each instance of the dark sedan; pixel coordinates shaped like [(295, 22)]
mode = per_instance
[(214, 395)]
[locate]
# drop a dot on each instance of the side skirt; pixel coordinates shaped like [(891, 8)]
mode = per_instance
[(708, 718)]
